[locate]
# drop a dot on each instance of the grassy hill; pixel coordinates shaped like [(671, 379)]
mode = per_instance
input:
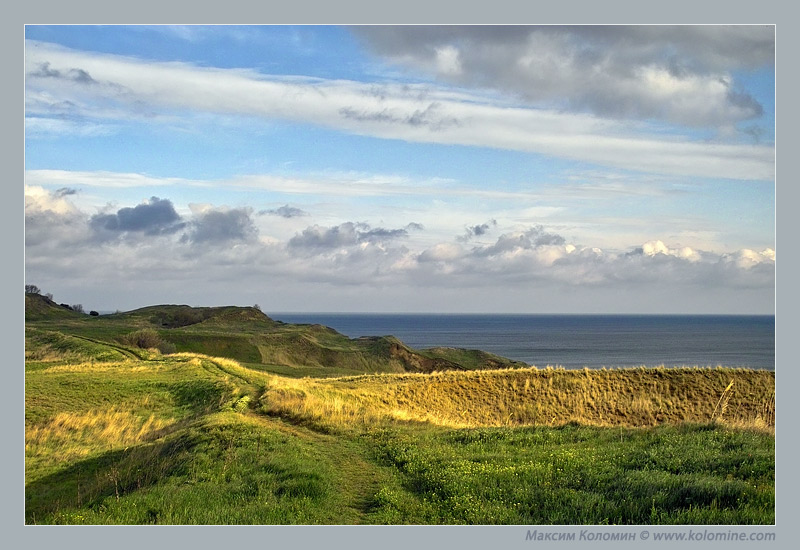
[(39, 308), (251, 337), (240, 419)]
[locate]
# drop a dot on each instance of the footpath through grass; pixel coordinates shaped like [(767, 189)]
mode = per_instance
[(173, 440)]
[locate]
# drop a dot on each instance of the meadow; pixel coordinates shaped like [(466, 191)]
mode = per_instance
[(175, 415)]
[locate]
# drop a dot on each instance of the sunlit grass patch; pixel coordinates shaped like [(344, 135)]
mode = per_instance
[(77, 434), (519, 397)]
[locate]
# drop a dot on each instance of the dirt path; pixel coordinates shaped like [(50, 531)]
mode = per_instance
[(124, 351)]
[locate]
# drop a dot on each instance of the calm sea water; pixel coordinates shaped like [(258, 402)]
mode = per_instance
[(576, 341)]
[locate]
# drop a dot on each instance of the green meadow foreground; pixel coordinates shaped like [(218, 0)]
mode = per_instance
[(177, 415)]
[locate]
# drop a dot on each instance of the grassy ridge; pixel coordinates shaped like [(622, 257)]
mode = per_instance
[(508, 397)]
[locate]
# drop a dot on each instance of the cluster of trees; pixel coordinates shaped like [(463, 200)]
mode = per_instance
[(33, 289)]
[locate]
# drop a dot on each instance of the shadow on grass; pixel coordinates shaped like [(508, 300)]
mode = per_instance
[(218, 471), (114, 473), (199, 396)]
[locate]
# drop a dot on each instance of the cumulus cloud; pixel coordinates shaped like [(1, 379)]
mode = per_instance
[(537, 256), (52, 220), (681, 74), (477, 230), (153, 217), (532, 238), (344, 235), (38, 199), (747, 259), (443, 252), (221, 225), (285, 211), (220, 244), (653, 248)]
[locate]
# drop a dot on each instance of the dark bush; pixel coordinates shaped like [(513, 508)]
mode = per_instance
[(167, 347), (148, 338), (93, 313), (145, 338)]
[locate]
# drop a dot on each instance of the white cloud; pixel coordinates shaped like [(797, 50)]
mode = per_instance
[(412, 113), (442, 252), (447, 60), (101, 179), (652, 248), (680, 74), (38, 199), (63, 250), (747, 258)]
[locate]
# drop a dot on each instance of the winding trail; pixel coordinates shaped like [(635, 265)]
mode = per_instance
[(123, 350), (358, 478)]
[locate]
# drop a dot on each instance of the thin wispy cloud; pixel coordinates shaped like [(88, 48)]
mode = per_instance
[(397, 113), (285, 211)]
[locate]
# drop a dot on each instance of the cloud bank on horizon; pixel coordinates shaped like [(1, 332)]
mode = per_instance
[(486, 169)]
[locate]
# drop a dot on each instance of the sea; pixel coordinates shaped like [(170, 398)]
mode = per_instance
[(576, 341)]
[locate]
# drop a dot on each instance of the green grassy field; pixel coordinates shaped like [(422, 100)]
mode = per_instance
[(213, 432)]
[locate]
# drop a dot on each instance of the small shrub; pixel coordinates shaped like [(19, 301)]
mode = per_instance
[(148, 338), (145, 338), (167, 347)]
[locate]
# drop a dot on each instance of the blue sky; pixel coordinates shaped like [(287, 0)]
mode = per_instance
[(589, 169)]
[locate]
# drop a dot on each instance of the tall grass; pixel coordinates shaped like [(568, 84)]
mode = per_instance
[(520, 397)]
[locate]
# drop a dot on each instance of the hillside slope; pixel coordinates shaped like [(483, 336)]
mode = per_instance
[(247, 335)]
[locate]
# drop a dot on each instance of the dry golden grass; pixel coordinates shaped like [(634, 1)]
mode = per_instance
[(130, 365), (71, 435), (513, 397)]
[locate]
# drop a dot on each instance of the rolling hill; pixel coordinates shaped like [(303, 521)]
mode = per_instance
[(247, 335)]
